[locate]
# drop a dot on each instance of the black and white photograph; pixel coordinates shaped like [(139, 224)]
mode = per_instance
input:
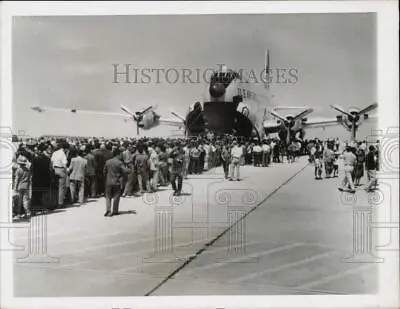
[(209, 154)]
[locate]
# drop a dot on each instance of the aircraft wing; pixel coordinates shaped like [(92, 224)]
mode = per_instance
[(171, 122), (321, 123), (77, 111)]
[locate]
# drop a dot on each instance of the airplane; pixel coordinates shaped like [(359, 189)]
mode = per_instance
[(233, 105)]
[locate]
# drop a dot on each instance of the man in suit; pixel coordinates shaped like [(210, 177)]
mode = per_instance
[(177, 169), (77, 171), (90, 172), (114, 171)]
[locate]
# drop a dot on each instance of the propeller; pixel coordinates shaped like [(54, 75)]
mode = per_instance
[(351, 123), (137, 116)]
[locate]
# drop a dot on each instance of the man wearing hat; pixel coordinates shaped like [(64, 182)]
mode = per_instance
[(22, 185)]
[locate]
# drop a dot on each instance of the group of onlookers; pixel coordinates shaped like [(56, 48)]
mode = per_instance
[(49, 173), (356, 157)]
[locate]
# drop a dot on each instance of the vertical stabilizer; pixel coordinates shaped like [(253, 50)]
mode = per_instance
[(266, 68)]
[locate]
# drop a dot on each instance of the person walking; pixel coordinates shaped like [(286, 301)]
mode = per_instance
[(349, 159)]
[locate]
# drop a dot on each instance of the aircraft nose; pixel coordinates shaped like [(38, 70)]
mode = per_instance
[(217, 90)]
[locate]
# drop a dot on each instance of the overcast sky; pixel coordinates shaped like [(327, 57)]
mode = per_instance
[(67, 62)]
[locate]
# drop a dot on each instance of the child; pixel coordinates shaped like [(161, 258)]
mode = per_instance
[(22, 186)]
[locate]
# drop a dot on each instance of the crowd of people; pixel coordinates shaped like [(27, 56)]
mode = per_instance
[(357, 158), (50, 172)]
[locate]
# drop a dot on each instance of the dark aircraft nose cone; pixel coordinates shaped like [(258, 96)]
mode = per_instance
[(217, 90)]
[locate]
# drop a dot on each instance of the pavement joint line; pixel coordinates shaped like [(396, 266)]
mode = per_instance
[(242, 258), (199, 252), (281, 267), (334, 277)]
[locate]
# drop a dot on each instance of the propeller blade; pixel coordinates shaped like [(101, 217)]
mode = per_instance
[(123, 108), (178, 115), (368, 108), (276, 115), (145, 110), (340, 110), (303, 113)]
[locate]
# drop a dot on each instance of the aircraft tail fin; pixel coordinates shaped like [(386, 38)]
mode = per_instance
[(266, 68)]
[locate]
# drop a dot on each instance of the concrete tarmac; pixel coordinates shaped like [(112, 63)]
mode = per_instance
[(277, 231)]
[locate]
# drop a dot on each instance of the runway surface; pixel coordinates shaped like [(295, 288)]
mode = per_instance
[(278, 231)]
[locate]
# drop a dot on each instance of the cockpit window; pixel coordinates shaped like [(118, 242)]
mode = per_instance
[(224, 77)]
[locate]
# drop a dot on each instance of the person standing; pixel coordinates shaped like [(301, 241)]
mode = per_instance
[(177, 167), (371, 165), (142, 169), (59, 161), (266, 153), (226, 159), (77, 171), (186, 151), (90, 173), (22, 186), (329, 157), (236, 155), (195, 159), (257, 153), (154, 167), (359, 166), (113, 172), (349, 159)]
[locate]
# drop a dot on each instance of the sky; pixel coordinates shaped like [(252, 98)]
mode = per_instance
[(67, 61)]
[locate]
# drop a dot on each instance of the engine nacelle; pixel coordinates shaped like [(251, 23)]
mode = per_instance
[(148, 121), (271, 126)]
